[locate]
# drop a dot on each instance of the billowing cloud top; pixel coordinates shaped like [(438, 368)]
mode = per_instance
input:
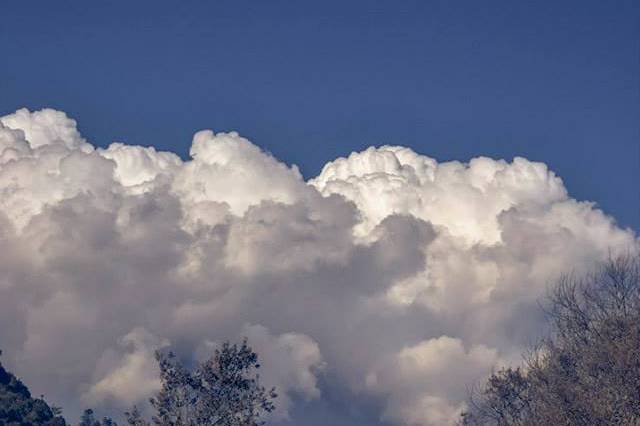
[(390, 277)]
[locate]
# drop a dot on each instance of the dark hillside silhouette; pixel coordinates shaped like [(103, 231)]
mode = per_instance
[(18, 407)]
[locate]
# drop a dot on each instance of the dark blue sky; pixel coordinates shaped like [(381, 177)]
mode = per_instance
[(554, 81)]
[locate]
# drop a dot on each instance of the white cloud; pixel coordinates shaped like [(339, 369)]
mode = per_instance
[(426, 383), (46, 127), (136, 165), (227, 168), (400, 278)]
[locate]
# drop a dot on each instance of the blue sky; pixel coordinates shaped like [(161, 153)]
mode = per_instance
[(557, 82)]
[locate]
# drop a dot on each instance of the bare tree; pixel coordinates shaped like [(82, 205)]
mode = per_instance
[(587, 372)]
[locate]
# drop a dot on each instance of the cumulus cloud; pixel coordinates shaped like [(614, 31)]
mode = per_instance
[(130, 377), (389, 277), (290, 362), (425, 382)]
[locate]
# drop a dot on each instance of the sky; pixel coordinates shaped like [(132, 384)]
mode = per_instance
[(310, 81), (377, 195)]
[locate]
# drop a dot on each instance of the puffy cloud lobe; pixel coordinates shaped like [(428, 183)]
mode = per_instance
[(47, 127), (289, 361), (389, 277), (464, 199), (136, 165), (227, 168), (12, 144), (130, 377), (426, 382)]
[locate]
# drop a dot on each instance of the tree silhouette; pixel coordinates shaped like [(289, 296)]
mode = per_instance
[(588, 371), (18, 407), (223, 391)]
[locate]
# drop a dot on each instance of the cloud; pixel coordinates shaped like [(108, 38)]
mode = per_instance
[(290, 363), (426, 383), (389, 279), (130, 377)]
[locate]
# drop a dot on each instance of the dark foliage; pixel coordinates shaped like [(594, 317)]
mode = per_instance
[(88, 419), (224, 390), (18, 407), (588, 371)]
